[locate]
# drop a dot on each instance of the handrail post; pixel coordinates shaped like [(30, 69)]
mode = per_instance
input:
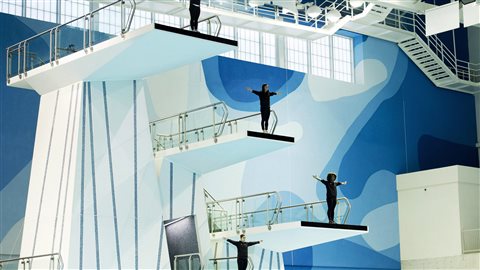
[(179, 132)]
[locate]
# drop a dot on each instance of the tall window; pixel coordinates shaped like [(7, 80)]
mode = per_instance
[(269, 49), (248, 45), (41, 10), (297, 54), (167, 20), (11, 7), (229, 33), (73, 9), (320, 57), (342, 58)]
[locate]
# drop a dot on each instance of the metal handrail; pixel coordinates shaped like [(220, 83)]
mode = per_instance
[(239, 212), (53, 36), (189, 255), (229, 218), (208, 19), (29, 258), (250, 263)]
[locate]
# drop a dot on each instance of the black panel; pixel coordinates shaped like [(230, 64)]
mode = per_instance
[(334, 226), (195, 34), (181, 236), (270, 136)]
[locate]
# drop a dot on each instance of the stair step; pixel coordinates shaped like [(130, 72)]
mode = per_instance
[(409, 42), (433, 69), (414, 48), (438, 74), (428, 63), (423, 57)]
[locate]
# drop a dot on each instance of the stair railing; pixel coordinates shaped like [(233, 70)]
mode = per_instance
[(212, 19), (182, 132), (189, 258), (27, 262), (240, 211), (216, 261), (414, 23), (17, 55)]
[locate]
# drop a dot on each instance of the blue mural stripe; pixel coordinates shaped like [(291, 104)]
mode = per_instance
[(82, 176), (160, 243), (193, 192), (278, 261), (261, 259), (94, 185), (62, 170), (72, 136), (45, 173), (135, 175), (171, 190), (112, 182), (228, 255), (271, 257)]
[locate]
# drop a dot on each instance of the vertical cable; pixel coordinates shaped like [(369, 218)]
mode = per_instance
[(112, 182), (94, 184)]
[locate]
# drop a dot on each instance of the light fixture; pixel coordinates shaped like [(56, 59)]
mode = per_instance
[(333, 15), (314, 11), (356, 3)]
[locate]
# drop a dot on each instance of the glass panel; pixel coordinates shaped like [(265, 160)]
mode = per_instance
[(38, 51)]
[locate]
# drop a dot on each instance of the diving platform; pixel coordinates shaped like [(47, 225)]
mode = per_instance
[(134, 55), (216, 153), (294, 235)]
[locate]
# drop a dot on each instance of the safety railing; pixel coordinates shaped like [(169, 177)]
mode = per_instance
[(415, 24), (238, 213), (226, 263), (199, 124), (471, 241), (208, 22), (191, 261), (62, 40), (243, 212), (52, 261)]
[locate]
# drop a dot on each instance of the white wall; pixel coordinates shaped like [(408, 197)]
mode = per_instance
[(110, 158), (431, 212)]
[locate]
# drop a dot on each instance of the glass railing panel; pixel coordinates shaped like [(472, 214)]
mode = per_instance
[(14, 61), (188, 262), (70, 38), (243, 212), (225, 263), (47, 261), (166, 133), (37, 51), (105, 24)]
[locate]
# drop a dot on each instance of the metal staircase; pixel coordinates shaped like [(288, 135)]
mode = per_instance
[(435, 69), (434, 58)]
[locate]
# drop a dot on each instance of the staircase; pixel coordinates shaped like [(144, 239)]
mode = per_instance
[(435, 69), (433, 57)]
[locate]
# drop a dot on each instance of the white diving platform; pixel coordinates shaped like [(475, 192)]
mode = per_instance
[(137, 54), (294, 235), (208, 155)]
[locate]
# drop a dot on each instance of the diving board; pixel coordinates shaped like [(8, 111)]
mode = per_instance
[(294, 235), (137, 54)]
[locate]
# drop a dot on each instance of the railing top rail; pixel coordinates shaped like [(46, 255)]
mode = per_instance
[(186, 255), (203, 20), (223, 258), (29, 257), (189, 111), (61, 25), (248, 196)]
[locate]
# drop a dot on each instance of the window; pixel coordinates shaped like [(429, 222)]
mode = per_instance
[(297, 54), (41, 10), (73, 9), (320, 57), (167, 20), (11, 7), (342, 58), (269, 52), (141, 18), (248, 45), (229, 33)]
